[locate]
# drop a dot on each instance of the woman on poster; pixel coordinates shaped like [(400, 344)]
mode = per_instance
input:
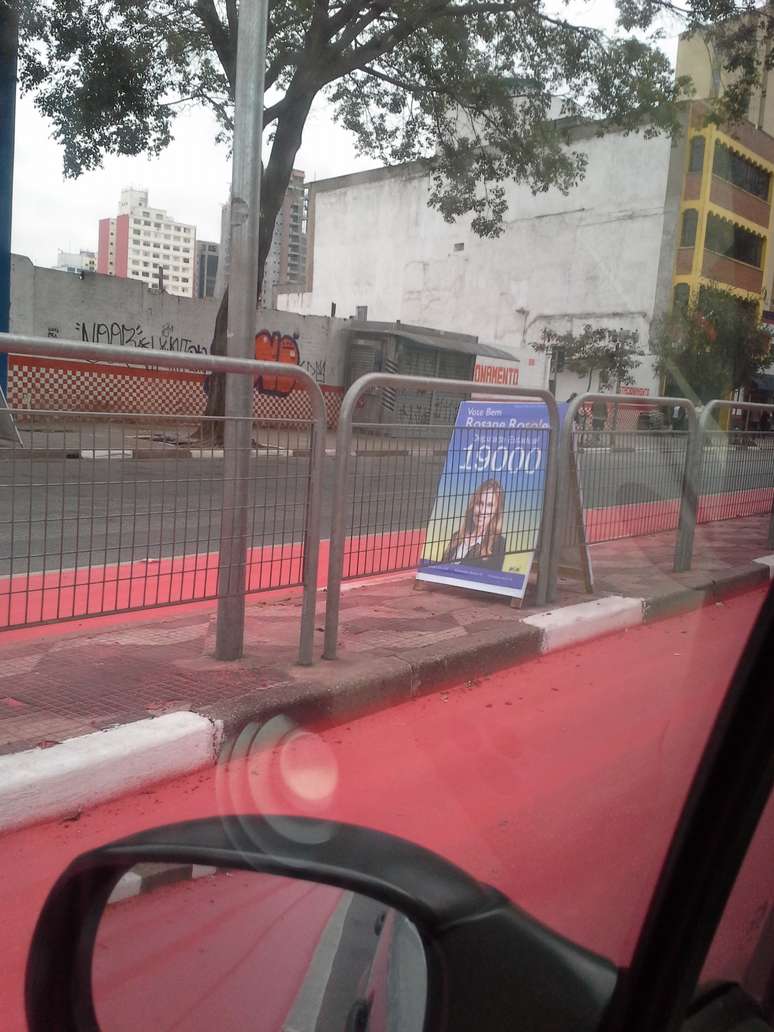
[(479, 541)]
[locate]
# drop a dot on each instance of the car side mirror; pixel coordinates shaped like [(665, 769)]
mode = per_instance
[(296, 924)]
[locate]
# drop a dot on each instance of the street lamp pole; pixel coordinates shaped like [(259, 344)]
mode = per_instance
[(243, 276), (9, 45)]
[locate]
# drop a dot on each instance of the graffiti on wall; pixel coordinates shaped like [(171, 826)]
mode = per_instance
[(119, 334), (316, 368), (276, 347)]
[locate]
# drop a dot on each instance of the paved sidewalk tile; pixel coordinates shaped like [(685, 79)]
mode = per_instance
[(60, 682)]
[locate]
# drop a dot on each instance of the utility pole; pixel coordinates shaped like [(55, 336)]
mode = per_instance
[(9, 46), (240, 340)]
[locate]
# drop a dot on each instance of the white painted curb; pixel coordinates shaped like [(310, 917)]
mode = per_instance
[(766, 560), (42, 784), (574, 624)]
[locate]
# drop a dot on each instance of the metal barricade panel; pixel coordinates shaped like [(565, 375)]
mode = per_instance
[(107, 514), (737, 474), (631, 481)]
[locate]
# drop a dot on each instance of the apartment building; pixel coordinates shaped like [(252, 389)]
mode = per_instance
[(286, 262), (207, 256), (144, 243)]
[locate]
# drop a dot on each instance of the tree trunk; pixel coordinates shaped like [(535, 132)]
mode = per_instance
[(274, 184)]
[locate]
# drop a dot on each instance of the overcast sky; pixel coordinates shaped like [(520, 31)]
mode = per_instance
[(190, 179)]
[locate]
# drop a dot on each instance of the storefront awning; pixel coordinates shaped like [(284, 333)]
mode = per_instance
[(425, 337)]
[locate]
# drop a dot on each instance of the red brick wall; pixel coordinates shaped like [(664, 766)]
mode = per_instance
[(735, 274), (725, 195), (692, 186), (684, 261)]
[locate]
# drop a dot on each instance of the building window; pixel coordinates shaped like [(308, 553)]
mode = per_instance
[(735, 169), (696, 159), (733, 241), (690, 221), (681, 295)]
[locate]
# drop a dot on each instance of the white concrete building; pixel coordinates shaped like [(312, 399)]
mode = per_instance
[(146, 244), (76, 261), (602, 254)]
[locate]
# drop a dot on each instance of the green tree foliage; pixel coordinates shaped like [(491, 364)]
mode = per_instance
[(710, 347), (611, 355), (466, 84)]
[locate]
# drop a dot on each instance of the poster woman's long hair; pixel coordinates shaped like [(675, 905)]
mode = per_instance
[(467, 528)]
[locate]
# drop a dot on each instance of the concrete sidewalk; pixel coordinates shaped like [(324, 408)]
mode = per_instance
[(61, 682)]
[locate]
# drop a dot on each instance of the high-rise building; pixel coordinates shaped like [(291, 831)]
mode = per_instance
[(76, 261), (207, 254), (144, 243), (286, 262)]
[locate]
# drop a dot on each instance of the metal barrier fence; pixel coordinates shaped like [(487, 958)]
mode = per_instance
[(737, 474), (628, 481), (391, 487), (98, 515), (631, 481), (380, 517), (101, 515)]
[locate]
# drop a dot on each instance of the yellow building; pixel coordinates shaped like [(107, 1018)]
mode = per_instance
[(726, 201)]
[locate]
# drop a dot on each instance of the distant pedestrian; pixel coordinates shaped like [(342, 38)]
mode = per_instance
[(577, 417), (598, 415), (765, 422)]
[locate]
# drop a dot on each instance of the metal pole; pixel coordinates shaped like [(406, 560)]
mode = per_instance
[(562, 504), (689, 496), (343, 448), (243, 277), (9, 44)]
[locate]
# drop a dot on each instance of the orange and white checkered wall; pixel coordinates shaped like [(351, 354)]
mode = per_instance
[(50, 384)]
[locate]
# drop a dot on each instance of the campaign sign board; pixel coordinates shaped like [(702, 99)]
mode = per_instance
[(485, 523)]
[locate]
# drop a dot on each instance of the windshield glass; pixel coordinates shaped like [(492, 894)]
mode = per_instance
[(386, 436)]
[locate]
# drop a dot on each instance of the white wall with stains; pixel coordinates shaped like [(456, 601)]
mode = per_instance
[(562, 261)]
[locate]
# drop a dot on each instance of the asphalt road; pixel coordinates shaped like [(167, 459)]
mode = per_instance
[(559, 781), (202, 953), (93, 512)]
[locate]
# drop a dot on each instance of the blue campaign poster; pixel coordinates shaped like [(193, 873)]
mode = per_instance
[(485, 523)]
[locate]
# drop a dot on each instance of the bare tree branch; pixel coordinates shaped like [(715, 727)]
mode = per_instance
[(222, 41)]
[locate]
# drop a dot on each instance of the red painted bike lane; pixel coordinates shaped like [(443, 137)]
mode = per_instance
[(30, 598), (559, 781)]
